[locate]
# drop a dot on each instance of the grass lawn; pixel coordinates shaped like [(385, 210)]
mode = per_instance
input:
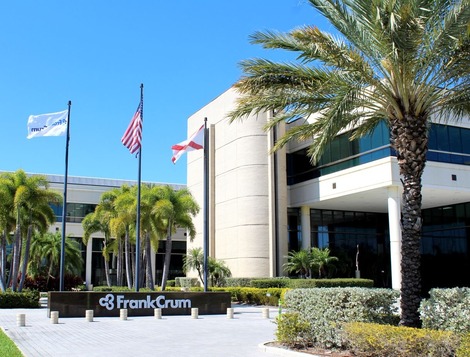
[(7, 347)]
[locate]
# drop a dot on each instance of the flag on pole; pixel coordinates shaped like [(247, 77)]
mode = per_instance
[(52, 124), (195, 142), (132, 138)]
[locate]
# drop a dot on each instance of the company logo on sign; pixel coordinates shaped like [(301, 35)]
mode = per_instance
[(148, 303)]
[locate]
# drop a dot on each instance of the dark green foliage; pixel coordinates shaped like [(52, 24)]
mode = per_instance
[(23, 300), (330, 283), (270, 283), (41, 283)]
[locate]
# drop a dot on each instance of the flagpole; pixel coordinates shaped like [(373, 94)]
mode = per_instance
[(137, 224), (64, 205), (206, 204)]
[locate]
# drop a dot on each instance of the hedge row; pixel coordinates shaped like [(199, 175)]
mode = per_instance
[(297, 283), (15, 300)]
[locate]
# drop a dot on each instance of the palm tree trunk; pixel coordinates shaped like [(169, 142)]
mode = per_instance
[(3, 260), (166, 264), (411, 143), (15, 259), (148, 253), (119, 263), (127, 248), (25, 257), (106, 261)]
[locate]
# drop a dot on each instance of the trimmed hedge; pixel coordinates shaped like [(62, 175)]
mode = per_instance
[(15, 300), (326, 309), (330, 283), (365, 339)]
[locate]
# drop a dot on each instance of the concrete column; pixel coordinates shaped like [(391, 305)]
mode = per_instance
[(305, 224), (394, 215), (89, 251)]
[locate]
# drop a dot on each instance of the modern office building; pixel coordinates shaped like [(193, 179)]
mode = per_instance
[(261, 205), (83, 194)]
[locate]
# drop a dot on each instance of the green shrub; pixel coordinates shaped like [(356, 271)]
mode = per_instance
[(446, 309), (238, 282), (185, 282), (15, 300), (327, 308), (329, 283), (372, 340), (270, 283), (292, 330)]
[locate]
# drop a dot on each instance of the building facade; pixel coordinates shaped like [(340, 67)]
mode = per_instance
[(263, 205)]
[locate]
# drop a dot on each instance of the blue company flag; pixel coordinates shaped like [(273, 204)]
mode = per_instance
[(52, 124)]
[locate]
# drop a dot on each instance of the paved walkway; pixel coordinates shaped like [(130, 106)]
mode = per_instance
[(207, 336)]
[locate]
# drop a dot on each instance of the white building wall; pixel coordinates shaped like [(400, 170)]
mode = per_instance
[(239, 192)]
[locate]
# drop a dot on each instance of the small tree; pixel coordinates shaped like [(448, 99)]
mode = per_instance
[(299, 262), (321, 260), (194, 260)]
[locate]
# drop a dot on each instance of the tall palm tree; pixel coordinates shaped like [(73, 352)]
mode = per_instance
[(299, 262), (123, 202), (403, 61), (31, 199), (175, 209), (98, 221)]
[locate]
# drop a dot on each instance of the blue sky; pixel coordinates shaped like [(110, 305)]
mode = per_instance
[(97, 52)]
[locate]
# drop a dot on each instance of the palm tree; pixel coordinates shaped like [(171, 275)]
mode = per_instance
[(30, 199), (45, 252), (152, 227), (321, 260), (175, 209), (194, 260), (217, 270), (123, 202), (299, 262), (98, 221), (399, 61)]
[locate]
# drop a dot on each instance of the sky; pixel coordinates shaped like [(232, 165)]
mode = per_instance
[(96, 53)]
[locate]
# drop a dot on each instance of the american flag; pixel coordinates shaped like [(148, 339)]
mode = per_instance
[(132, 138)]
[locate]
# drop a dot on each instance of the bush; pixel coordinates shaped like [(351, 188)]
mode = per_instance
[(464, 348), (238, 282), (270, 283), (327, 308), (330, 283), (15, 300), (446, 309), (365, 339), (292, 330), (41, 283), (185, 282)]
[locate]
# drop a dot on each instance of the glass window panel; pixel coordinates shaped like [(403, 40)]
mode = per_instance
[(442, 138), (455, 143), (335, 149), (465, 137), (365, 143), (432, 137)]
